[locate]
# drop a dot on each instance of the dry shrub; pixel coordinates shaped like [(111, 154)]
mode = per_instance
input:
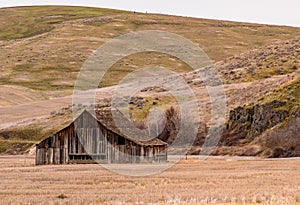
[(172, 125), (283, 141)]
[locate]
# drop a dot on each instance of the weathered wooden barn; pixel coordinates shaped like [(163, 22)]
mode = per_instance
[(95, 138)]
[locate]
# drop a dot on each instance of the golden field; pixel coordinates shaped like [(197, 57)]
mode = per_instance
[(217, 180)]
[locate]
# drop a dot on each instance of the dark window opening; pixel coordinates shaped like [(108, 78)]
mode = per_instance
[(121, 141)]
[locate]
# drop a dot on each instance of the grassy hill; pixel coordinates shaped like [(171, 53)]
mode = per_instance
[(43, 49)]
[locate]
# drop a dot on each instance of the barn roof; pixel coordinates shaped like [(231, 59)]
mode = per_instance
[(115, 121)]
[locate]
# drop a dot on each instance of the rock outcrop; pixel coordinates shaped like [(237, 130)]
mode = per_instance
[(247, 123)]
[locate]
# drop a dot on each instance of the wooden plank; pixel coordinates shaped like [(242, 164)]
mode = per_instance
[(154, 153), (62, 156), (86, 140), (101, 150), (50, 155), (108, 152), (150, 154), (113, 153), (133, 154), (166, 152), (66, 147), (66, 156), (90, 139), (73, 137), (62, 147), (142, 154), (68, 134), (122, 154), (46, 155), (53, 141), (146, 158), (56, 156), (117, 154), (71, 141), (38, 156), (96, 140), (83, 140), (79, 140), (57, 142), (96, 133), (104, 146), (43, 156)]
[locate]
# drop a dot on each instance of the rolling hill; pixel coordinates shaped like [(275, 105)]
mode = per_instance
[(43, 49)]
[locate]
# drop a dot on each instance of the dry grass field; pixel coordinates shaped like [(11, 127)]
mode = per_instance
[(217, 180)]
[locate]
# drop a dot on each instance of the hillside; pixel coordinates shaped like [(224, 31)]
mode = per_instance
[(43, 49)]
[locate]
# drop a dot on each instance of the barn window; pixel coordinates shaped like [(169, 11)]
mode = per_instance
[(121, 141)]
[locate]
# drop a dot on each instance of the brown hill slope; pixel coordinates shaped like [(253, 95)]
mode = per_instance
[(278, 58), (49, 59), (264, 111)]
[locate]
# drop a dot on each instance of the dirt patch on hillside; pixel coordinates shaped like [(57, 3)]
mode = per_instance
[(15, 95)]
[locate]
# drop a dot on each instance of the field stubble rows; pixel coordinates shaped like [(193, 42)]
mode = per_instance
[(217, 180)]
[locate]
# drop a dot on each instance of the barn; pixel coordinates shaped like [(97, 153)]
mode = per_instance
[(93, 137)]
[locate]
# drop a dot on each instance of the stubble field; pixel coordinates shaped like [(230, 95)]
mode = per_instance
[(217, 180)]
